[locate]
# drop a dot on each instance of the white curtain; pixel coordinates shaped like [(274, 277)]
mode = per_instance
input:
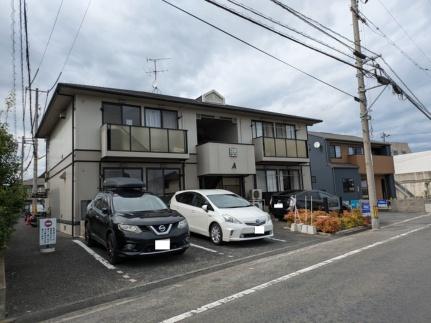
[(153, 118)]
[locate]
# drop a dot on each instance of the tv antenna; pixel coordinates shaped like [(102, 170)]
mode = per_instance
[(384, 136), (155, 71)]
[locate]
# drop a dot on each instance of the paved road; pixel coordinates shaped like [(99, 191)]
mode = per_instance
[(374, 276)]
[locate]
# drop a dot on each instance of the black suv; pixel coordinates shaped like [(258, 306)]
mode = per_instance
[(131, 222)]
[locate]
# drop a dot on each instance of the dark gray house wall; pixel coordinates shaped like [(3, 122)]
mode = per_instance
[(321, 171), (339, 175), (327, 178)]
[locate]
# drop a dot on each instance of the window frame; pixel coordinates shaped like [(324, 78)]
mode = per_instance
[(333, 148), (121, 105), (162, 126), (180, 175), (122, 171), (351, 184)]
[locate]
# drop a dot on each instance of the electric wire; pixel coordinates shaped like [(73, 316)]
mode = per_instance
[(260, 50), (23, 93), (13, 92), (27, 56), (48, 41), (377, 30), (73, 43), (405, 31), (260, 14), (260, 24)]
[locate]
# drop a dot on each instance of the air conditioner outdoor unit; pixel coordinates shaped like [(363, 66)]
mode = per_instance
[(258, 204), (256, 194)]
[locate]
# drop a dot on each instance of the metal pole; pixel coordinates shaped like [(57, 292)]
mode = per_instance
[(364, 118), (35, 155), (22, 158)]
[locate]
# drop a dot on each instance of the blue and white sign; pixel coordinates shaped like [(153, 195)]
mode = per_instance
[(382, 204), (365, 208)]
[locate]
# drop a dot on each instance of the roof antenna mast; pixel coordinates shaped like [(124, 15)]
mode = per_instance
[(155, 71)]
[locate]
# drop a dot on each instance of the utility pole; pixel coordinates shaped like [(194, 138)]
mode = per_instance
[(22, 157), (35, 155), (364, 118)]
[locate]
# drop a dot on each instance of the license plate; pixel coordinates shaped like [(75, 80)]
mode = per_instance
[(164, 244), (278, 206), (259, 230)]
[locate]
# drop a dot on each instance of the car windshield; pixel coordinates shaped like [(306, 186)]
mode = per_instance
[(137, 203), (227, 201)]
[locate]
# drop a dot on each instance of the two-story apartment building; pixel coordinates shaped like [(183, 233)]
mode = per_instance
[(170, 143), (338, 166)]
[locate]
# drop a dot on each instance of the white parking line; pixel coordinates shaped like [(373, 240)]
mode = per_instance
[(407, 220), (96, 256), (278, 280), (200, 247), (281, 240)]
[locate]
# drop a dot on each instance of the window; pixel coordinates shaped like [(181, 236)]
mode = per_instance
[(145, 202), (256, 129), (334, 151), (121, 114), (227, 201), (271, 180), (313, 179), (395, 152), (186, 198), (199, 200), (289, 180), (280, 131), (268, 130), (261, 180), (163, 181), (348, 185), (161, 118), (356, 151)]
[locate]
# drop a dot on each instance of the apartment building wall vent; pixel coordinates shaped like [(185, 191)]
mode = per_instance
[(212, 97)]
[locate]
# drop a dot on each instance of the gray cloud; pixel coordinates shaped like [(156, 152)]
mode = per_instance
[(118, 36)]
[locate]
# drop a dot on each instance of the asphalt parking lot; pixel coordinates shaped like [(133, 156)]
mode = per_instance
[(75, 276)]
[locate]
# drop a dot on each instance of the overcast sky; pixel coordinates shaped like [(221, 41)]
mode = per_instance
[(117, 38)]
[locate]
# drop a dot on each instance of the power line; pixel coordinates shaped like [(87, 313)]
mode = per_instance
[(73, 44), (260, 14), (404, 31), (13, 92), (27, 56), (47, 43), (258, 49), (376, 29), (236, 13), (23, 95)]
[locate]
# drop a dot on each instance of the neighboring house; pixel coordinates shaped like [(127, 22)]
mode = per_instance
[(338, 166), (171, 143), (41, 190), (400, 148), (413, 175)]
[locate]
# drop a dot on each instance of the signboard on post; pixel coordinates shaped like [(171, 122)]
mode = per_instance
[(47, 234), (382, 204), (366, 209)]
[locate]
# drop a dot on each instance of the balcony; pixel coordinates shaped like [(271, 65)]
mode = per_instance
[(382, 164), (143, 142), (225, 159), (280, 150)]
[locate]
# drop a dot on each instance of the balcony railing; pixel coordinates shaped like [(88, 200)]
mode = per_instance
[(284, 148), (145, 139)]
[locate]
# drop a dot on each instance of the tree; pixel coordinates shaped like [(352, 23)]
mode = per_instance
[(12, 193)]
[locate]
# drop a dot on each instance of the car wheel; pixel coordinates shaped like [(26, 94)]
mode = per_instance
[(87, 235), (112, 249), (216, 234)]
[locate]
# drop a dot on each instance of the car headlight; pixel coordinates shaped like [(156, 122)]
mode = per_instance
[(129, 228), (268, 218), (182, 224), (231, 219)]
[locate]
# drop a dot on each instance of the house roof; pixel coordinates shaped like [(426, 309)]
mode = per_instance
[(66, 90), (345, 138)]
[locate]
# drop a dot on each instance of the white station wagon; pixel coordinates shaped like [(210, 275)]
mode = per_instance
[(222, 215)]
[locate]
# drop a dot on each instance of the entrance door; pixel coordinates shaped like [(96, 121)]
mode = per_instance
[(234, 184)]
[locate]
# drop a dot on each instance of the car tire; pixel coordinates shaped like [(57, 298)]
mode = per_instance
[(112, 249), (216, 234), (87, 235)]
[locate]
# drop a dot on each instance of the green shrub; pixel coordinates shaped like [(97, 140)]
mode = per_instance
[(12, 193)]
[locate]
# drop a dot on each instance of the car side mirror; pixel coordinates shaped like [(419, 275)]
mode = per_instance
[(105, 211), (205, 207)]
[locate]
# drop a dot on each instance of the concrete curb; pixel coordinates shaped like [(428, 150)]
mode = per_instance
[(2, 287), (347, 231)]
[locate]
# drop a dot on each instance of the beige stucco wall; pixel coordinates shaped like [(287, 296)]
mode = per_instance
[(60, 140)]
